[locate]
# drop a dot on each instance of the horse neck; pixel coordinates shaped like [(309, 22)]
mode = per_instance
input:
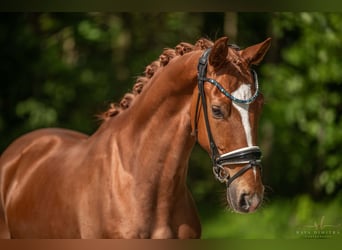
[(154, 135)]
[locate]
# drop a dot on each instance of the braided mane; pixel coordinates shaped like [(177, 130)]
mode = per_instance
[(167, 55)]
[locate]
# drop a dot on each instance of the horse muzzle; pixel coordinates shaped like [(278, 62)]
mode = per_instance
[(245, 195), (244, 202)]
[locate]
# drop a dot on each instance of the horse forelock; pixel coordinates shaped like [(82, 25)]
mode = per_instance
[(167, 55), (240, 64)]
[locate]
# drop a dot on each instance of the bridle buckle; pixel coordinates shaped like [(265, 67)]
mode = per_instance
[(220, 173)]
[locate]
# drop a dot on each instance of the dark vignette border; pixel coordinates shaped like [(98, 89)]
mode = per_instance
[(171, 5)]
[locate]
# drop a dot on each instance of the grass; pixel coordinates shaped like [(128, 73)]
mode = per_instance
[(298, 218)]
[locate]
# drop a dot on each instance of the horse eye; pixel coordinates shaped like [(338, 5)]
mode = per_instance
[(217, 113)]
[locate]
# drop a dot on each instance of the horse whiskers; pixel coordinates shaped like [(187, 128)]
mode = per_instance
[(224, 202), (266, 199), (268, 190)]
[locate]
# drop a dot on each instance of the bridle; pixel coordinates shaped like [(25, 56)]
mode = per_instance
[(251, 156)]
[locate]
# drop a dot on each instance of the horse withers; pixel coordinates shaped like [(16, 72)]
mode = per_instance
[(128, 179)]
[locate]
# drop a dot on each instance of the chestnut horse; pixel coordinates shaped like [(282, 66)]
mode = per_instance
[(128, 179)]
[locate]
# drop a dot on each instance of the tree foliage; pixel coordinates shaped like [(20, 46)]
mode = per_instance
[(303, 111)]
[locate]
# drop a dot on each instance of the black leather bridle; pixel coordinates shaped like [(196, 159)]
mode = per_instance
[(250, 156)]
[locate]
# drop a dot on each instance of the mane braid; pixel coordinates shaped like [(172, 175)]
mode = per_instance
[(167, 55)]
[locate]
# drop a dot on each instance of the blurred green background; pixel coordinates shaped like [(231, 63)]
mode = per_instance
[(61, 69)]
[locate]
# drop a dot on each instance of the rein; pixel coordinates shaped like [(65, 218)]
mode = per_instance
[(251, 156)]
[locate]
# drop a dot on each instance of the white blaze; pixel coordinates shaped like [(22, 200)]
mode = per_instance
[(244, 92)]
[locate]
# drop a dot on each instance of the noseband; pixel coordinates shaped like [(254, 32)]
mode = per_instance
[(250, 156)]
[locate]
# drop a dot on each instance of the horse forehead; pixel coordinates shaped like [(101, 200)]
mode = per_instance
[(232, 76), (243, 91), (238, 66), (240, 87)]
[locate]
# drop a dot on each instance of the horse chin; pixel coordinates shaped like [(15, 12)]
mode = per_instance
[(242, 202)]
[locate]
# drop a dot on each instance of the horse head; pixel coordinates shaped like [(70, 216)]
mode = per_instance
[(225, 111)]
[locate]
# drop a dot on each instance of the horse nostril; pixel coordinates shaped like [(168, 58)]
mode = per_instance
[(244, 202), (248, 202)]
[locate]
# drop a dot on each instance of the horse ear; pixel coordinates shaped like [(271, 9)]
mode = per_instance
[(219, 52), (255, 53)]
